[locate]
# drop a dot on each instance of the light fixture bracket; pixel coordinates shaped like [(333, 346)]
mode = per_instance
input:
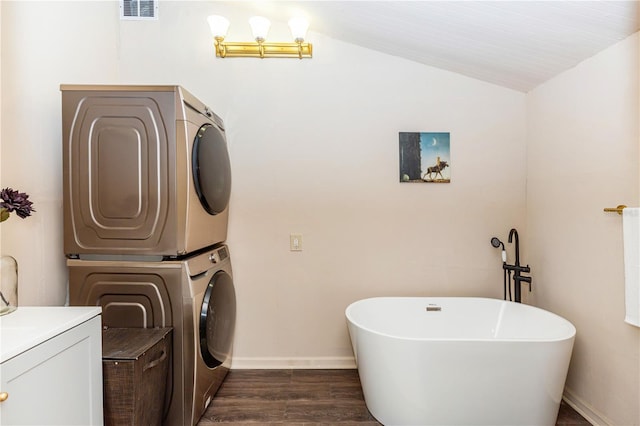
[(262, 50)]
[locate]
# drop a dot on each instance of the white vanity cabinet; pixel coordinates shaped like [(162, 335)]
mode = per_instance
[(51, 366)]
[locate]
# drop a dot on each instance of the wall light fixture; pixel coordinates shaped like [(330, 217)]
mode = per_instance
[(260, 48)]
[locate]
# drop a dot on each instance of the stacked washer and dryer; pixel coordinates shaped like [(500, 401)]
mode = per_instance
[(147, 182)]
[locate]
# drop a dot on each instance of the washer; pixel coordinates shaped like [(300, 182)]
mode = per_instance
[(194, 295), (214, 314), (146, 171)]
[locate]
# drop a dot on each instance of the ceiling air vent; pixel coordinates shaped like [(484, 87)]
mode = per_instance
[(139, 9)]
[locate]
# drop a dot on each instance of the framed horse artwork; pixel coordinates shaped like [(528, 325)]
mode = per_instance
[(425, 157)]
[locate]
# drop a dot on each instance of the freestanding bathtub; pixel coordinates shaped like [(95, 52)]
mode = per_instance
[(459, 361)]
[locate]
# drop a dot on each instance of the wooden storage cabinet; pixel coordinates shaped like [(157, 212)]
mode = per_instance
[(50, 367)]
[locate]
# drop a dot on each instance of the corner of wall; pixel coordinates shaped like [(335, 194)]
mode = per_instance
[(585, 409)]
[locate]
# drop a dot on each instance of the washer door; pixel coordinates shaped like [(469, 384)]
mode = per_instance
[(211, 169), (217, 320)]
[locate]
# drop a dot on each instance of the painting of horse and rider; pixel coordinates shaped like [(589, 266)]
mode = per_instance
[(425, 157)]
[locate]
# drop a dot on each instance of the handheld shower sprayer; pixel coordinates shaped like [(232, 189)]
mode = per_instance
[(495, 242)]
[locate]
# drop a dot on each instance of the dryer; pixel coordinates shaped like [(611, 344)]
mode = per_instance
[(194, 295), (145, 171)]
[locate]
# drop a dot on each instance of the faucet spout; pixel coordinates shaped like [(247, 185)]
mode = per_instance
[(511, 234)]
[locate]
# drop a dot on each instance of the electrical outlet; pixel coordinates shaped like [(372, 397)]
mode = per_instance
[(295, 242)]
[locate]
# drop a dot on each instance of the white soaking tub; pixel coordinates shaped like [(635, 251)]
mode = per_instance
[(459, 361)]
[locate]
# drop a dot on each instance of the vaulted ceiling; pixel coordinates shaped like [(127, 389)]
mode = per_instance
[(515, 44)]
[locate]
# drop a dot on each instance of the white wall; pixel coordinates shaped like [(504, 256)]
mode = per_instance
[(583, 151), (45, 44), (314, 150)]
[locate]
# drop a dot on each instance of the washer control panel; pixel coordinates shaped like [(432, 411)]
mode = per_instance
[(205, 261)]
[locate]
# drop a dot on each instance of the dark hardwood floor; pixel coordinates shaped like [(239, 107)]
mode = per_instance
[(304, 397)]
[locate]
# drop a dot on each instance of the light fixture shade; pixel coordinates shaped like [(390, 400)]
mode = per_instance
[(219, 25), (299, 27), (259, 27)]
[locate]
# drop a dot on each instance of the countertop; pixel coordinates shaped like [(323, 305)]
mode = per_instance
[(29, 326)]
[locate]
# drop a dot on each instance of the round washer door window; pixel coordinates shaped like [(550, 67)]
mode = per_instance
[(211, 169), (217, 320)]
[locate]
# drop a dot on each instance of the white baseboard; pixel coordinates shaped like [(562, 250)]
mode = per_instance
[(585, 410), (278, 363)]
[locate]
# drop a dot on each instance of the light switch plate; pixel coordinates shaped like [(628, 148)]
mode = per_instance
[(295, 242)]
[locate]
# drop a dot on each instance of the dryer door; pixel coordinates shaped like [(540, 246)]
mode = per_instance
[(211, 169), (217, 320)]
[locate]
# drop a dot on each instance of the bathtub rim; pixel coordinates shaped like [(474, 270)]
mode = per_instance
[(571, 328)]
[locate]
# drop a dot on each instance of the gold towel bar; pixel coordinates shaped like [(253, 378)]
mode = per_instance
[(616, 209)]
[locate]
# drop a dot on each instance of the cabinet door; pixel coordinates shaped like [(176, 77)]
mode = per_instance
[(58, 382)]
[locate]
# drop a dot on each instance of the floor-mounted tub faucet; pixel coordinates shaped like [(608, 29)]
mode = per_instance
[(516, 268)]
